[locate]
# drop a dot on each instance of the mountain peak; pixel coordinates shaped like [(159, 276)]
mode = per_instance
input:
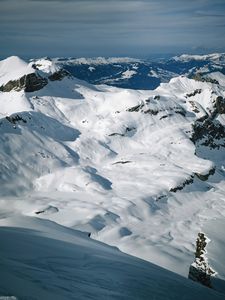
[(13, 68)]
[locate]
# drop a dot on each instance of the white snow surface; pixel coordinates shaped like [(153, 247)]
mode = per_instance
[(128, 74), (219, 77), (216, 57), (46, 65), (53, 262), (108, 171), (13, 68), (215, 249), (103, 60)]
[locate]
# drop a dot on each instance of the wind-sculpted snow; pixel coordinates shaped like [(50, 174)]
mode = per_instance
[(30, 144), (54, 262), (142, 170)]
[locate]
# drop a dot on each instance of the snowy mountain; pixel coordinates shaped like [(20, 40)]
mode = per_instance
[(136, 73), (217, 58), (142, 170)]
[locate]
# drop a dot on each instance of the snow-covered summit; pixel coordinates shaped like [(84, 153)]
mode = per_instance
[(13, 68), (17, 75), (45, 65)]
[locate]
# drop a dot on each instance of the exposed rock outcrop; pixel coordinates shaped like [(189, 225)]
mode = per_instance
[(15, 118), (47, 210), (182, 185), (201, 77), (29, 83), (220, 105), (209, 133), (144, 108), (59, 75), (122, 162), (197, 91), (205, 177), (136, 108), (126, 132), (200, 270), (207, 130)]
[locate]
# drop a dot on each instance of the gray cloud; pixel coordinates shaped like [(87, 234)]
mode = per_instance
[(112, 27)]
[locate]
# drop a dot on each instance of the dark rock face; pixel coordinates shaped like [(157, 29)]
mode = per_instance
[(200, 276), (194, 107), (29, 83), (144, 108), (197, 91), (207, 130), (200, 270), (14, 119), (201, 77), (180, 187), (206, 176), (190, 180), (220, 105), (59, 75), (209, 133), (136, 108)]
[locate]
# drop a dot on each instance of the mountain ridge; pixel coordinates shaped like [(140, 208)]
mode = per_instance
[(140, 73)]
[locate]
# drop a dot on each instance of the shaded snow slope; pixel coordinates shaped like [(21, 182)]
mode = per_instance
[(141, 170), (54, 262), (215, 231)]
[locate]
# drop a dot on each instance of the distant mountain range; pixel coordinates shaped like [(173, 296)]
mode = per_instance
[(140, 74)]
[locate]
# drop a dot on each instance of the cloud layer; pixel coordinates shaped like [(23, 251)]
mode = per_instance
[(110, 28)]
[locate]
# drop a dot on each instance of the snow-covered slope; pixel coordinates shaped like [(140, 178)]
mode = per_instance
[(13, 68), (139, 169), (197, 64), (54, 262), (216, 57)]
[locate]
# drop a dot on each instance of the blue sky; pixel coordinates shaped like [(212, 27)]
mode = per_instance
[(140, 28)]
